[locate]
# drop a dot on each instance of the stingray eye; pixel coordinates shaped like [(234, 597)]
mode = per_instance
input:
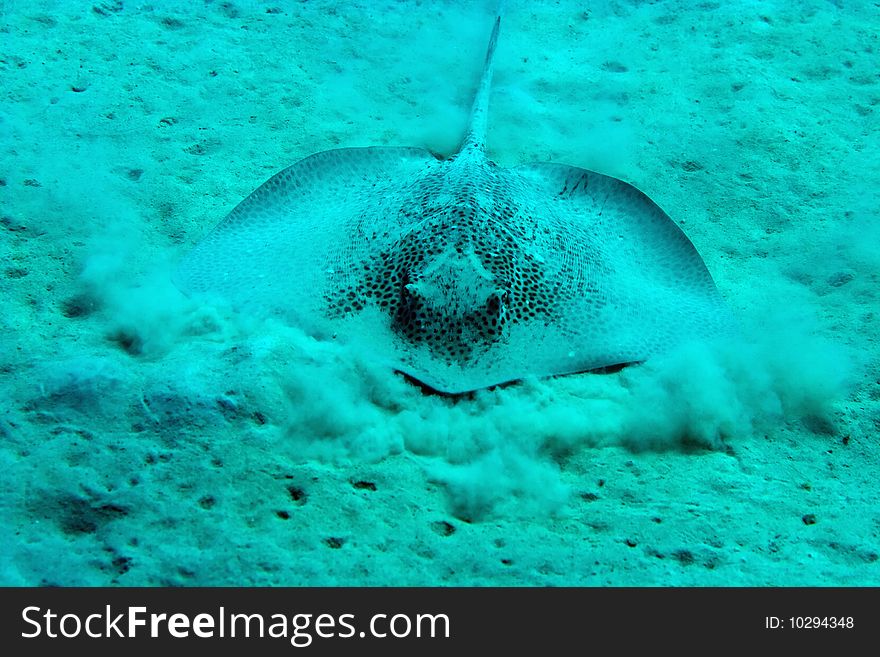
[(495, 303), (411, 299), (499, 300)]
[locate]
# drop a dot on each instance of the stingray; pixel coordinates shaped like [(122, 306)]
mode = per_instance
[(457, 272)]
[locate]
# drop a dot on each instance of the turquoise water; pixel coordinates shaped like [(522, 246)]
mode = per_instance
[(152, 439)]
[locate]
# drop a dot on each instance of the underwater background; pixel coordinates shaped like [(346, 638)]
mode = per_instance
[(150, 439)]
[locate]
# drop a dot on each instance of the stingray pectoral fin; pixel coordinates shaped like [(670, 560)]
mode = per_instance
[(631, 283), (271, 251)]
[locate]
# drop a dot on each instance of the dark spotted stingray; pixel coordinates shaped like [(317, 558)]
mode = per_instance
[(457, 272)]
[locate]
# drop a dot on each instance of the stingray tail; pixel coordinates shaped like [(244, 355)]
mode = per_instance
[(475, 137)]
